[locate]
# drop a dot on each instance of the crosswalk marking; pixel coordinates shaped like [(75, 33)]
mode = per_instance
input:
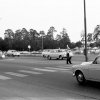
[(37, 71), (57, 68), (15, 74), (63, 67), (4, 77), (44, 69), (30, 72)]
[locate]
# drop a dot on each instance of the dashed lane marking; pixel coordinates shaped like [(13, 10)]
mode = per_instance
[(44, 69), (4, 77), (16, 74), (30, 72)]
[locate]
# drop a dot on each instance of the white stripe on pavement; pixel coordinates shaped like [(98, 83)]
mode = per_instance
[(63, 66), (30, 72), (7, 59), (15, 74), (4, 77), (57, 68), (39, 98), (47, 70)]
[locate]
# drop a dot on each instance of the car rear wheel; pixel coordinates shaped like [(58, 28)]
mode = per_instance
[(49, 58), (80, 78), (13, 55), (43, 56)]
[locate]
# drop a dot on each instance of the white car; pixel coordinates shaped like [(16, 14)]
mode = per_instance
[(45, 53), (87, 71), (12, 53), (2, 55), (58, 54)]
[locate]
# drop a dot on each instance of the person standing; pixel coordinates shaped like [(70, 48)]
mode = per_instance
[(68, 58)]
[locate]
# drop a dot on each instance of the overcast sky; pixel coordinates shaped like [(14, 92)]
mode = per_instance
[(41, 14)]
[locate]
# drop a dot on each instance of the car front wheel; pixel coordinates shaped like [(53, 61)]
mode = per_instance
[(60, 57), (80, 78)]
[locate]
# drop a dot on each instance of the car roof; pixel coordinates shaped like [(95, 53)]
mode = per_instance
[(11, 50)]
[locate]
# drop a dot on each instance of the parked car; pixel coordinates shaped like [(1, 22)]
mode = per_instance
[(24, 52), (78, 52), (12, 53), (87, 71), (57, 54), (1, 54), (45, 53), (36, 52)]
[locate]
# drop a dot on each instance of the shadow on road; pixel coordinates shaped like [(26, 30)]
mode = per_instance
[(93, 84)]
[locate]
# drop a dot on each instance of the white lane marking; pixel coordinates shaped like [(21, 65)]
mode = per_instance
[(47, 70), (4, 77), (57, 68), (7, 59), (30, 72), (63, 66), (15, 74)]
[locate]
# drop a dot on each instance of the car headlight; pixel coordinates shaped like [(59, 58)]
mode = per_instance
[(73, 68)]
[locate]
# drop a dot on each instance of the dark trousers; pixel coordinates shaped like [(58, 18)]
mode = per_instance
[(69, 60)]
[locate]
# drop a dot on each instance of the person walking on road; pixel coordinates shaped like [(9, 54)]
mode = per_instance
[(69, 57)]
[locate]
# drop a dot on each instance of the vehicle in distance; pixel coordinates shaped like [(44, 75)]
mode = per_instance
[(87, 71), (2, 54), (45, 53), (56, 54), (12, 53)]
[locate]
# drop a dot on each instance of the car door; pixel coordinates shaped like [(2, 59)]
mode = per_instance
[(52, 54), (55, 54), (94, 69)]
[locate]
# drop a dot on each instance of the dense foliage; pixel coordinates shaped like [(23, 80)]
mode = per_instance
[(21, 39)]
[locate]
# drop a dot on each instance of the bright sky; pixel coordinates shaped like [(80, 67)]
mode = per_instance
[(42, 14)]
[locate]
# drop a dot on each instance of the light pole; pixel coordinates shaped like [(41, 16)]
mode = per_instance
[(86, 58), (42, 34)]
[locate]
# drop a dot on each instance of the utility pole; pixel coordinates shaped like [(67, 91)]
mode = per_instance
[(85, 30), (42, 42)]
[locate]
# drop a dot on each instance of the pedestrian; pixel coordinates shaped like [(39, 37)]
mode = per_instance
[(69, 57)]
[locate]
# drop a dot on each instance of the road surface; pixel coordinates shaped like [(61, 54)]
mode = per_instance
[(35, 78)]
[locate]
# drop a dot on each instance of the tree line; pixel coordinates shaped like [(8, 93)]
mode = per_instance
[(22, 38), (93, 39)]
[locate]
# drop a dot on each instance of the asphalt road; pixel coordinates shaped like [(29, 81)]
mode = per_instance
[(35, 78)]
